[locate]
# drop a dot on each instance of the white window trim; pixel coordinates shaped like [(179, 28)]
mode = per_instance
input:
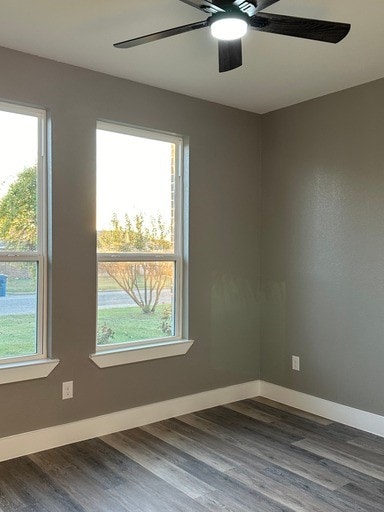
[(144, 350), (38, 365), (157, 350), (26, 370)]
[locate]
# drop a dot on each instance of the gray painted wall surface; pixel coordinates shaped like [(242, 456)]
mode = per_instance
[(323, 247), (224, 243)]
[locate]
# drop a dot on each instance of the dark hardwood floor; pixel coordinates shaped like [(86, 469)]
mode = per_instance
[(254, 455)]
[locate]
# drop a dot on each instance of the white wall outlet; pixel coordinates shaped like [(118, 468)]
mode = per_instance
[(67, 390), (296, 363)]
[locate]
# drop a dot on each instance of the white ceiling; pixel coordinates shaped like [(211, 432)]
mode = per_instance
[(278, 71)]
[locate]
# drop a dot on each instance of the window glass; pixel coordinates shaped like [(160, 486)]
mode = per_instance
[(22, 242), (135, 193), (135, 301), (138, 236), (18, 308), (18, 182)]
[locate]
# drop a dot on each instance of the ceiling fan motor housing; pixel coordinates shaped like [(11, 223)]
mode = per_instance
[(232, 13), (249, 8)]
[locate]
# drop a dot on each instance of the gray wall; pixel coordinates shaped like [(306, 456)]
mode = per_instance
[(224, 243), (323, 247), (322, 239)]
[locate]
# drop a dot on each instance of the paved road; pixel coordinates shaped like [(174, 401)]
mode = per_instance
[(24, 304)]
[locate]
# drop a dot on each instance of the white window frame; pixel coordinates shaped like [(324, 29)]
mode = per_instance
[(32, 366), (140, 350)]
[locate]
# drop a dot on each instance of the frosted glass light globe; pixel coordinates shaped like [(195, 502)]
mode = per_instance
[(227, 29)]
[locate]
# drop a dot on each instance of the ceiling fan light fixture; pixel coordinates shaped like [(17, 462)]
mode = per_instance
[(229, 26)]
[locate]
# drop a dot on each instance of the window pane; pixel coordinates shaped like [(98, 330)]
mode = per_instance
[(18, 308), (18, 182), (135, 193), (135, 301)]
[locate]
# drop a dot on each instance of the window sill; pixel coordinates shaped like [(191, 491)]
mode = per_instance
[(136, 354), (26, 370)]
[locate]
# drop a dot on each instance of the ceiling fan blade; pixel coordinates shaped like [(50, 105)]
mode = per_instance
[(204, 5), (263, 4), (161, 35), (230, 55), (319, 30)]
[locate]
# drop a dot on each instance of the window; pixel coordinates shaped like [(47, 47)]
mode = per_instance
[(22, 234), (139, 238)]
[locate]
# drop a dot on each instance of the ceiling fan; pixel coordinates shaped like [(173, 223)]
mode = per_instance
[(229, 21)]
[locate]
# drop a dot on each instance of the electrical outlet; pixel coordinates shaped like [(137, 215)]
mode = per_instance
[(67, 390), (296, 363)]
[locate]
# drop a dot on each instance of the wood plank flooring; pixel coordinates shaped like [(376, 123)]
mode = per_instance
[(254, 455)]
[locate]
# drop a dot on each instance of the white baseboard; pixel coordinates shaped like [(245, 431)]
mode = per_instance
[(356, 418), (52, 437)]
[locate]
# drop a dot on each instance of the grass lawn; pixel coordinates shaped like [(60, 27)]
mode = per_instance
[(21, 285), (131, 323), (106, 283), (17, 332), (17, 335)]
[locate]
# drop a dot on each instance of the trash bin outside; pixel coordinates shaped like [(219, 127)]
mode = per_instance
[(3, 285)]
